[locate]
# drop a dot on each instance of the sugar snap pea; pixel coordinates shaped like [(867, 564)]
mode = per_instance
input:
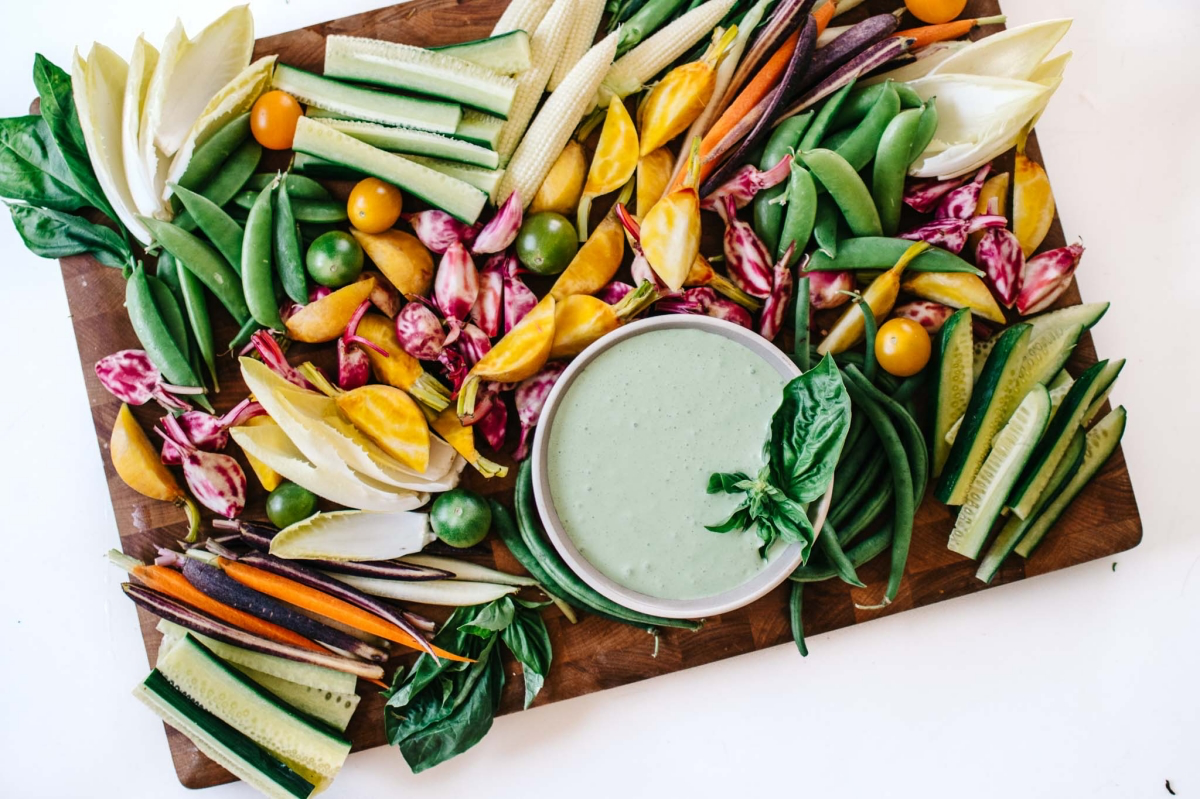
[(827, 541), (859, 148), (858, 104), (836, 139), (286, 242), (846, 188), (243, 336), (925, 131), (152, 332), (304, 210), (257, 274), (795, 612), (196, 305), (205, 263), (768, 209), (225, 185), (881, 252), (823, 122), (171, 313), (892, 158), (801, 211), (220, 228), (825, 227), (167, 270), (208, 158), (299, 187), (800, 352)]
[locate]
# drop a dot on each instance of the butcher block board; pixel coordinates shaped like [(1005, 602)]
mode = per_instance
[(594, 654)]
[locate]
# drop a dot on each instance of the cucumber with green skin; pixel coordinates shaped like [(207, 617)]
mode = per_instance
[(955, 378), (504, 54), (1104, 387)]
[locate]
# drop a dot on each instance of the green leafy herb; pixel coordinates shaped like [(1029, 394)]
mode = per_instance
[(54, 234), (440, 709), (31, 168), (807, 434)]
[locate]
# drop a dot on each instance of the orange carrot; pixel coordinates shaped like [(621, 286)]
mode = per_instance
[(316, 601), (930, 34), (823, 15), (176, 586)]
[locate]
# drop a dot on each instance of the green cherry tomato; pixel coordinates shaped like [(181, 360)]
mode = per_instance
[(546, 243), (460, 518), (289, 503), (334, 259)]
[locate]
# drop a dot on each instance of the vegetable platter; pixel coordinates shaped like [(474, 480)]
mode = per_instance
[(593, 654)]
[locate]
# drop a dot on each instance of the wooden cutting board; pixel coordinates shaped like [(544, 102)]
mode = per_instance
[(592, 655)]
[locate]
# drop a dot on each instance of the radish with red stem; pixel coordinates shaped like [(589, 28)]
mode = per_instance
[(353, 364), (872, 58), (455, 288), (925, 195), (210, 432), (272, 355), (829, 289), (166, 608), (951, 233), (1000, 255), (703, 301), (530, 398), (217, 481), (770, 322), (501, 231), (437, 230), (746, 183), (130, 376), (746, 257), (518, 299)]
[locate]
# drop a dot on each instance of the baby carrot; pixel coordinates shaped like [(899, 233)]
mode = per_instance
[(930, 34)]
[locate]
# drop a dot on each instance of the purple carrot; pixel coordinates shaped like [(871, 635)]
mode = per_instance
[(746, 257), (924, 195), (771, 320), (494, 426), (853, 42), (787, 17), (779, 97), (455, 287), (164, 607), (1000, 256), (746, 183), (437, 230), (485, 313), (518, 299), (272, 355), (614, 292), (961, 202), (703, 301), (353, 366), (950, 233), (420, 332), (208, 432), (337, 589), (829, 289), (873, 57), (929, 315), (384, 295), (1046, 277), (501, 231), (530, 397), (131, 377), (217, 481)]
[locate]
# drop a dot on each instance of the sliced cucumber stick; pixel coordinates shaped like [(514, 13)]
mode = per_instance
[(479, 128), (335, 710), (486, 180), (1086, 315), (506, 54), (417, 142), (1108, 378), (1048, 352), (954, 376)]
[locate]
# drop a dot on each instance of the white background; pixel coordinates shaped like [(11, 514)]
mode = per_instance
[(1080, 683)]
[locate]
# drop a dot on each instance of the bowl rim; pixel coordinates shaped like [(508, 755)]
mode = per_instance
[(739, 596)]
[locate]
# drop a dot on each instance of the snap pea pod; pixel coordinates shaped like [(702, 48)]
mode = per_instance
[(835, 140), (286, 239), (225, 185), (859, 148), (220, 228), (892, 158), (795, 611), (205, 263), (304, 210), (506, 529), (860, 554), (167, 270), (800, 352), (925, 131), (825, 227), (257, 275), (196, 305), (243, 336), (801, 211), (881, 252), (827, 541), (846, 188), (171, 313), (152, 332), (823, 122), (209, 157), (860, 101), (299, 186), (768, 209)]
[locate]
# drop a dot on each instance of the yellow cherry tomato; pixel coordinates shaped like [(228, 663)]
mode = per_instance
[(273, 120), (374, 206), (935, 12), (902, 347)]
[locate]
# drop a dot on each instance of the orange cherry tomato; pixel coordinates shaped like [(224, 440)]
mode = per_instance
[(935, 12), (374, 206), (273, 120), (902, 347)]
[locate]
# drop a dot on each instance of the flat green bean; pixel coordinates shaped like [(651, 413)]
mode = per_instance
[(801, 211), (768, 210), (880, 252), (205, 263), (257, 274), (220, 228), (286, 240), (795, 611), (892, 159), (860, 147), (823, 122)]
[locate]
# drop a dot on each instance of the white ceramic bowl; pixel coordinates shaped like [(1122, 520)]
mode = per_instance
[(734, 598)]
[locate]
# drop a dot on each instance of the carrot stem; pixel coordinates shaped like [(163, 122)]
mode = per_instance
[(931, 34)]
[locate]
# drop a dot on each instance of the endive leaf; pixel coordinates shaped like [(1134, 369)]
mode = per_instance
[(141, 68), (928, 58), (353, 535), (1014, 53)]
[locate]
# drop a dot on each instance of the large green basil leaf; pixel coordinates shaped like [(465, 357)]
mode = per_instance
[(62, 118), (405, 686), (808, 431), (528, 640), (491, 618), (54, 234), (31, 168)]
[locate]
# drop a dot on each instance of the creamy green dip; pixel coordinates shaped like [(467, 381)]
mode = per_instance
[(632, 445)]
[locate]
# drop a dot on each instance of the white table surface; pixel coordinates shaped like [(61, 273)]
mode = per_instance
[(1079, 683)]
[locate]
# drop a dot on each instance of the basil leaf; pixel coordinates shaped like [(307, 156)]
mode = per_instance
[(740, 519), (54, 234), (62, 118), (491, 618), (31, 168), (808, 431), (529, 643), (727, 483), (405, 686)]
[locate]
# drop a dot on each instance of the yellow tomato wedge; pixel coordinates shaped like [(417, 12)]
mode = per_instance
[(520, 354), (327, 318)]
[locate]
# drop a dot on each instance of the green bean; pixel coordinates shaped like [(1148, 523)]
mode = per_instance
[(860, 147), (299, 187), (909, 430), (171, 313), (801, 211), (225, 185), (768, 209), (530, 528), (871, 329), (891, 167), (878, 498), (852, 436), (825, 227), (304, 210), (925, 131), (843, 183), (859, 487), (860, 101), (880, 252), (220, 228), (506, 529), (860, 554), (800, 352), (243, 336), (823, 122), (196, 305), (152, 332), (205, 263), (886, 381), (795, 608), (911, 385), (828, 542), (257, 274), (845, 477), (286, 237), (209, 157)]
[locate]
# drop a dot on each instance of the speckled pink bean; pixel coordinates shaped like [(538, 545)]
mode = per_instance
[(1002, 260), (829, 289), (924, 195), (456, 285), (486, 311), (770, 320), (518, 298)]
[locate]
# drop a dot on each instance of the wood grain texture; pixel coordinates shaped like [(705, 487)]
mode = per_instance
[(592, 655)]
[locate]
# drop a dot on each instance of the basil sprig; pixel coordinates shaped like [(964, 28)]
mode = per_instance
[(808, 431)]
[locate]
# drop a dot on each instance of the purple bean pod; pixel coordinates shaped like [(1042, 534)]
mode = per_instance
[(746, 183), (1046, 277), (353, 366), (501, 231), (961, 202), (614, 292), (437, 230), (131, 377), (494, 425), (950, 233), (924, 195), (455, 287), (872, 58), (518, 298), (703, 301), (217, 481), (1002, 260), (272, 355), (770, 322), (384, 295), (929, 315), (746, 257), (829, 289), (420, 331), (530, 398)]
